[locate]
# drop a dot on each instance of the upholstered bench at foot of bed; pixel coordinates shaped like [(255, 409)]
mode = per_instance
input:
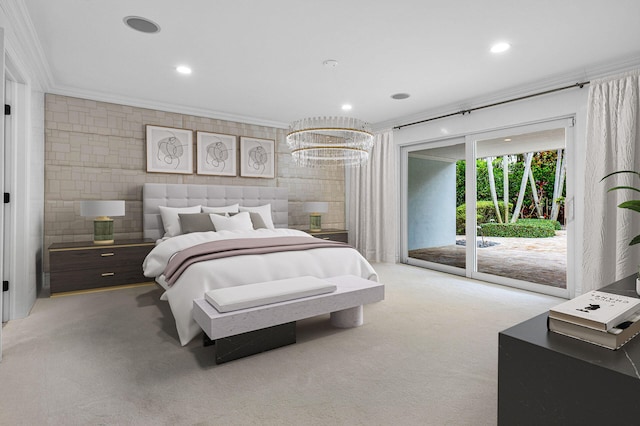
[(263, 327)]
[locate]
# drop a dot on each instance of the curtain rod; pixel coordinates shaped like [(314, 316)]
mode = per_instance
[(468, 111)]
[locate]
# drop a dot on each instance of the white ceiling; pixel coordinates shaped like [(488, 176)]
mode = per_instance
[(262, 60)]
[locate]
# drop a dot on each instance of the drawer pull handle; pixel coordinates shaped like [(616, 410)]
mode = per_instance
[(107, 254), (108, 274), (326, 238)]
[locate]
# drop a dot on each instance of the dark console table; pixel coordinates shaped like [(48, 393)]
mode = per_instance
[(546, 378)]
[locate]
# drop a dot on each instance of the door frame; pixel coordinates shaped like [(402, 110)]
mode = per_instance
[(470, 140), (471, 196), (405, 150)]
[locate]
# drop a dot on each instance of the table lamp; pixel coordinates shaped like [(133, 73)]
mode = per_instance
[(315, 208), (102, 224)]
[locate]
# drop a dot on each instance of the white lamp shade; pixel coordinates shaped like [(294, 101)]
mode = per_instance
[(316, 207), (98, 208)]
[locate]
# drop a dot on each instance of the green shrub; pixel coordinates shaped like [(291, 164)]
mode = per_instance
[(516, 230), (543, 223), (485, 212), (461, 219)]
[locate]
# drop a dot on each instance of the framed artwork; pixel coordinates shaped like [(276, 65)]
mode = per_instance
[(216, 154), (257, 157), (169, 150)]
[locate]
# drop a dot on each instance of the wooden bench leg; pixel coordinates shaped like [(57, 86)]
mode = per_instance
[(347, 318)]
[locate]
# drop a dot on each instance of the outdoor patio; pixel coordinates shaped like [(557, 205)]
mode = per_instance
[(537, 260)]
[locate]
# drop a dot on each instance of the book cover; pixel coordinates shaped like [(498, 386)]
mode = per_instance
[(596, 309), (612, 339)]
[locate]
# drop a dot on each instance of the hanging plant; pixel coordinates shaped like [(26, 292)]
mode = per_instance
[(631, 204)]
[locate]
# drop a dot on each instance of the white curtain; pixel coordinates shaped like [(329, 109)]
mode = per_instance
[(372, 202), (613, 138)]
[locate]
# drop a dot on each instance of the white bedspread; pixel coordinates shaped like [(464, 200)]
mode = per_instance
[(239, 270)]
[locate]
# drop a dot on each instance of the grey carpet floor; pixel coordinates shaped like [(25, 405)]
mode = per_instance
[(426, 355)]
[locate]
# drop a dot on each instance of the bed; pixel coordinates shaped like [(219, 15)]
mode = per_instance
[(178, 206)]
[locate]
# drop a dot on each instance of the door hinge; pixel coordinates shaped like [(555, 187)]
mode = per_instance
[(7, 109), (5, 285), (7, 198)]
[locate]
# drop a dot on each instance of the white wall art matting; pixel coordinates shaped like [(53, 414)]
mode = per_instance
[(169, 150), (216, 154), (257, 157)]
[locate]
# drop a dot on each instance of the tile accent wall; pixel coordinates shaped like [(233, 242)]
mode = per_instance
[(97, 150)]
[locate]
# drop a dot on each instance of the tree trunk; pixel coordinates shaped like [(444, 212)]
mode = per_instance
[(557, 188), (505, 190), (492, 187), (556, 185), (523, 186), (534, 192)]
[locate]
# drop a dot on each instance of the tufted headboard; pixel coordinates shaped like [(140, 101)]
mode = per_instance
[(185, 195)]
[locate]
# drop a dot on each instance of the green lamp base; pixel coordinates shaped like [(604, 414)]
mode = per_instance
[(103, 230), (315, 222)]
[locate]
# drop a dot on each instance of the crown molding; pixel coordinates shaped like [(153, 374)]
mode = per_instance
[(597, 71), (24, 45), (159, 106)]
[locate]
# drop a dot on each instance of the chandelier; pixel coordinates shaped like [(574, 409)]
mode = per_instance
[(330, 141)]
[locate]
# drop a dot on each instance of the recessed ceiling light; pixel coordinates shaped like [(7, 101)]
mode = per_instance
[(183, 69), (507, 140), (346, 107), (143, 25), (500, 47), (400, 96)]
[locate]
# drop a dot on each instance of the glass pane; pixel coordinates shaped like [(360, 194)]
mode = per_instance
[(520, 207), (436, 190)]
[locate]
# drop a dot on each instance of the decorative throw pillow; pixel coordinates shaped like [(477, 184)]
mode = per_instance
[(171, 221), (195, 222), (237, 222), (265, 213), (233, 208), (256, 220)]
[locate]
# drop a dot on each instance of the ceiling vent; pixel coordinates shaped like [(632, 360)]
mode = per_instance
[(142, 24)]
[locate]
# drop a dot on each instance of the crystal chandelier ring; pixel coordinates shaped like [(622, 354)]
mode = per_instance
[(330, 141)]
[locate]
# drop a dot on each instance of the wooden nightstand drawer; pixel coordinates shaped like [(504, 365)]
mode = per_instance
[(103, 257), (332, 234), (84, 265), (82, 279)]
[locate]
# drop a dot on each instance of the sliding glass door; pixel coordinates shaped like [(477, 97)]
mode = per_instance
[(435, 193), (494, 206), (520, 193)]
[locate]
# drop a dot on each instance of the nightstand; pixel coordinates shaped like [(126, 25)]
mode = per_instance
[(340, 235), (84, 265)]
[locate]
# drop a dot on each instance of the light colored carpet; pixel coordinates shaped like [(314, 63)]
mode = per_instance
[(426, 355)]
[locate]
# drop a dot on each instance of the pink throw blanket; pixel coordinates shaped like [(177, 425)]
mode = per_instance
[(238, 247)]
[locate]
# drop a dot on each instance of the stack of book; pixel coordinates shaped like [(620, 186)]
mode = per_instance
[(604, 319)]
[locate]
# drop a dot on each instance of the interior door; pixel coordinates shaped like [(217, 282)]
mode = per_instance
[(2, 161), (8, 170)]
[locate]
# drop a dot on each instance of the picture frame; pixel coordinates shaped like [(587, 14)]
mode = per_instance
[(169, 150), (216, 154), (257, 157)]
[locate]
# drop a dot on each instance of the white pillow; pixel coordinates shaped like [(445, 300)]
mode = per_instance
[(264, 211), (238, 222), (171, 221), (233, 208)]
